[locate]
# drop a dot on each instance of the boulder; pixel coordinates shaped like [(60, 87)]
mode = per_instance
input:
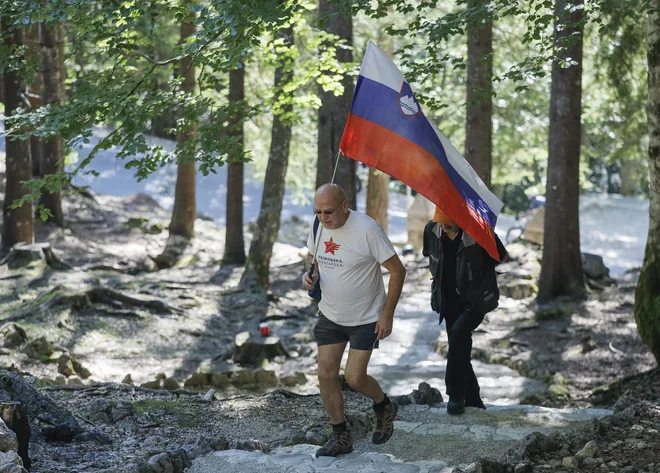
[(44, 415), (220, 380), (12, 416), (40, 349), (13, 336), (8, 440), (425, 394), (242, 377), (265, 377), (291, 379), (593, 266), (198, 379)]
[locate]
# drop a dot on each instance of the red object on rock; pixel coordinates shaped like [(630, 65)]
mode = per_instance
[(264, 329)]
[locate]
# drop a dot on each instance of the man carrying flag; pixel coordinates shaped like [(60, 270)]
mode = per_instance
[(354, 309)]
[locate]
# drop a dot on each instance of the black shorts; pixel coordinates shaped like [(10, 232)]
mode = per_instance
[(361, 337)]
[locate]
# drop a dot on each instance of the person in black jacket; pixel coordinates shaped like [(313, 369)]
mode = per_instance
[(463, 291)]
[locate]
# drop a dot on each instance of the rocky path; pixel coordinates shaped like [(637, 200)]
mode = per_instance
[(408, 357), (426, 440)]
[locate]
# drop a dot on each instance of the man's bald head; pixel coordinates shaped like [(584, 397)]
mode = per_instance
[(331, 192), (331, 206)]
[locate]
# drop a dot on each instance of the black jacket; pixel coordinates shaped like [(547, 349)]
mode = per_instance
[(476, 279)]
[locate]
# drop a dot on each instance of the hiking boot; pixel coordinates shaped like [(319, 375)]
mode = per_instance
[(339, 443), (456, 406), (385, 423)]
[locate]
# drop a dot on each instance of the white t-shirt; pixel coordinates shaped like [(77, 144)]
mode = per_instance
[(349, 260)]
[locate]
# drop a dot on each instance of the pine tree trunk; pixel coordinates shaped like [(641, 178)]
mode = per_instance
[(33, 41), (561, 267), (478, 136), (234, 242), (185, 205), (378, 197), (334, 111), (268, 223), (52, 93), (18, 224), (627, 171), (647, 294)]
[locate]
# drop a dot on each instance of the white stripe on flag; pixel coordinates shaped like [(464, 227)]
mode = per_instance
[(378, 67), (458, 162)]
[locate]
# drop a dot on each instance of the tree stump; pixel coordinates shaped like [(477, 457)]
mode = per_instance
[(25, 254), (13, 415), (253, 350)]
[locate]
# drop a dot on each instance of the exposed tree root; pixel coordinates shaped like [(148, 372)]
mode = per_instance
[(98, 295)]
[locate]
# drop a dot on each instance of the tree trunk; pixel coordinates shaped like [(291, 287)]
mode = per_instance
[(52, 93), (33, 41), (18, 224), (478, 133), (185, 209), (628, 173), (378, 197), (234, 242), (268, 223), (561, 267), (647, 294), (334, 110)]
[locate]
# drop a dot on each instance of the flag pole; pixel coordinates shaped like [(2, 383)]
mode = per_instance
[(318, 235)]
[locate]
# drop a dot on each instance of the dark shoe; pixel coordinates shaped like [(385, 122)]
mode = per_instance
[(339, 443), (385, 423), (456, 406)]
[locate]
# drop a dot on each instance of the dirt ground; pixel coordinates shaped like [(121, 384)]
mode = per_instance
[(576, 347)]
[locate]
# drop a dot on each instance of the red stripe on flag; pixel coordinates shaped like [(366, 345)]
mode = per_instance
[(378, 147)]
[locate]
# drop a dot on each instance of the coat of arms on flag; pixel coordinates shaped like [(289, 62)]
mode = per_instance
[(387, 129)]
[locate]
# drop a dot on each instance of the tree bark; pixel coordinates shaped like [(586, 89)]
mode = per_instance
[(184, 212), (234, 242), (18, 224), (478, 133), (628, 173), (334, 110), (647, 294), (52, 93), (378, 197), (33, 41), (561, 267), (268, 223)]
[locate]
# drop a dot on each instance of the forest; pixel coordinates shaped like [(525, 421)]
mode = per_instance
[(558, 99)]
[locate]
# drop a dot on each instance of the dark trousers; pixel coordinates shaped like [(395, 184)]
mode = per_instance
[(459, 377)]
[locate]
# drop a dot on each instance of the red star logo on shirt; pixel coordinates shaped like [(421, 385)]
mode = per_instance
[(331, 246)]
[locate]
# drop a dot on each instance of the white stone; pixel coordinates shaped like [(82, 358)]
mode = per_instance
[(406, 426), (8, 439)]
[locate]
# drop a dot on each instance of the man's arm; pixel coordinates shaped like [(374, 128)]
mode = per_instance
[(397, 277)]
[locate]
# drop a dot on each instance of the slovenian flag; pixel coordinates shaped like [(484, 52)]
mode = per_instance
[(387, 130)]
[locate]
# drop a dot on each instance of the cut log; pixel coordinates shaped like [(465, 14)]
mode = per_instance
[(13, 414), (253, 350)]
